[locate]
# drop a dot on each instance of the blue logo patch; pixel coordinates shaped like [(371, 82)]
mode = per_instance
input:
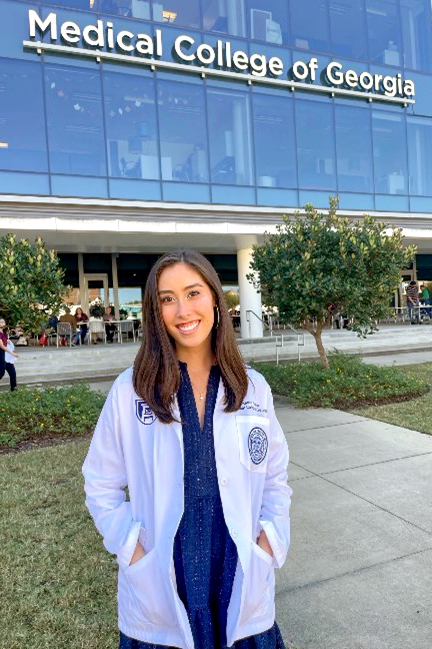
[(143, 412), (258, 445)]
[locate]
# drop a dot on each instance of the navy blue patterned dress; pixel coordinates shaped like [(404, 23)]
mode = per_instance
[(205, 556)]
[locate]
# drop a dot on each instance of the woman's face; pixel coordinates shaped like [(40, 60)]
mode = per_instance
[(187, 306), (2, 323), (78, 312)]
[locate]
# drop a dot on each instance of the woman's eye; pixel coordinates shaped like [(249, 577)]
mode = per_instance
[(166, 299), (194, 293)]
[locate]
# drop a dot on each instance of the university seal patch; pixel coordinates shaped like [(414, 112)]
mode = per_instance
[(143, 412), (257, 444)]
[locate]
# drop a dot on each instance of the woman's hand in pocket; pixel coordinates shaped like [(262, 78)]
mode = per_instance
[(138, 554), (263, 543)]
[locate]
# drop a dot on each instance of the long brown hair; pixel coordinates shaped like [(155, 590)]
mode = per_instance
[(156, 373)]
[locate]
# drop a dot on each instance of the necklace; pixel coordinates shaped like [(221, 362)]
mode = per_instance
[(201, 394)]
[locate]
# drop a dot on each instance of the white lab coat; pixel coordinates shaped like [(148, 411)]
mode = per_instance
[(131, 447)]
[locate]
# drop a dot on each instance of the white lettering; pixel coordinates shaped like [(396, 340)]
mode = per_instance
[(313, 67), (366, 80), (49, 22), (110, 35), (334, 74), (241, 60), (276, 66), (351, 78), (258, 64), (204, 50), (409, 88), (70, 32), (93, 34), (300, 70), (120, 41), (389, 85), (145, 44), (178, 43)]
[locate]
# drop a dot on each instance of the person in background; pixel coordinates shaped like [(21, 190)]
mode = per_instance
[(68, 317), (412, 301), (110, 327), (425, 299), (3, 350), (80, 318), (10, 359)]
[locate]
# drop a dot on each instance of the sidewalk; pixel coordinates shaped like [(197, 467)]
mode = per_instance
[(359, 571)]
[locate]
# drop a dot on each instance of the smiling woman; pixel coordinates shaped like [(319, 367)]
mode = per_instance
[(193, 434)]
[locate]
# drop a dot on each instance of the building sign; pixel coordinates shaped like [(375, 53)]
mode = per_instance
[(102, 42)]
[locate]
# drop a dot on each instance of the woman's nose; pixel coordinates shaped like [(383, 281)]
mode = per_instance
[(182, 308)]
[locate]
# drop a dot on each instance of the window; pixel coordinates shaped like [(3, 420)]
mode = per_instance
[(354, 149), (130, 117), (74, 119), (183, 133), (177, 13), (268, 21), (274, 141), (416, 27), (88, 5), (230, 145), (315, 145), (348, 28), (384, 34), (22, 127), (226, 16), (420, 156), (309, 25), (389, 150)]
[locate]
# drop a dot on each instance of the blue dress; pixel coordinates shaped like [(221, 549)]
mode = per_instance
[(205, 556)]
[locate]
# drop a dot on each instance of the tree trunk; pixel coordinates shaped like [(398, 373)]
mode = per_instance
[(318, 340)]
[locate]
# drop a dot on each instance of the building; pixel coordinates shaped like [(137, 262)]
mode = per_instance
[(128, 127)]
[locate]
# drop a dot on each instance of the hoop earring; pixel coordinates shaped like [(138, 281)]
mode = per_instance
[(217, 319)]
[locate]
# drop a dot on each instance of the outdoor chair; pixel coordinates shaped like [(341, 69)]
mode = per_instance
[(64, 330), (96, 327), (125, 328)]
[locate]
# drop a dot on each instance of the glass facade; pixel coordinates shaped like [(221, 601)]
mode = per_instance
[(72, 127)]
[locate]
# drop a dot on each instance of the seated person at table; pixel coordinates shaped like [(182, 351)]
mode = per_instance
[(82, 319), (68, 317), (110, 327)]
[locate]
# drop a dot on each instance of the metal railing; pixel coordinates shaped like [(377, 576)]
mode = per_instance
[(280, 343), (269, 326)]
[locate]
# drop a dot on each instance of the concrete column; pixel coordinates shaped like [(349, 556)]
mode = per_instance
[(84, 300), (250, 299), (115, 285)]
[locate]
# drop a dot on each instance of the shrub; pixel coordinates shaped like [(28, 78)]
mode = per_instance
[(33, 414), (348, 382)]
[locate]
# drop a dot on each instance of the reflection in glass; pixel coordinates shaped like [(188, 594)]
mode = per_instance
[(74, 118), (348, 28), (87, 5), (230, 131), (384, 34), (416, 28), (268, 21), (315, 145), (226, 16), (130, 117), (274, 141), (389, 150), (420, 156), (128, 8), (22, 128), (353, 149), (177, 12), (309, 25), (183, 138)]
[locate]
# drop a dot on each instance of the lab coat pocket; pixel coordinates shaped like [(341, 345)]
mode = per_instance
[(150, 590), (257, 583), (253, 441)]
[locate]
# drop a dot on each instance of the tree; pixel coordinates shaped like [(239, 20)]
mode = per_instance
[(31, 282), (316, 263)]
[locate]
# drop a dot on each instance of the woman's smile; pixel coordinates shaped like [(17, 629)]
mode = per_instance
[(188, 328)]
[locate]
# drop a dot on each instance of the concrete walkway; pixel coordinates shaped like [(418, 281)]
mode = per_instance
[(359, 572)]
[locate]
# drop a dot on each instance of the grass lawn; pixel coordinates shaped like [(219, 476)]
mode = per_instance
[(415, 414), (58, 584)]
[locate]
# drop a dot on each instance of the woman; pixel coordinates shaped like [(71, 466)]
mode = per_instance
[(194, 436), (82, 319), (6, 366), (110, 327)]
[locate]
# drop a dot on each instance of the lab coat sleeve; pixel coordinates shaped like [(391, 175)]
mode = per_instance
[(274, 515), (105, 479)]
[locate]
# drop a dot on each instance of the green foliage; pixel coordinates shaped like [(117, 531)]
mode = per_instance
[(315, 262), (30, 413), (347, 383), (232, 298), (32, 282)]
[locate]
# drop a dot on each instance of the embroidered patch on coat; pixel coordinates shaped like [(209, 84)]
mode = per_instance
[(257, 444), (143, 412)]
